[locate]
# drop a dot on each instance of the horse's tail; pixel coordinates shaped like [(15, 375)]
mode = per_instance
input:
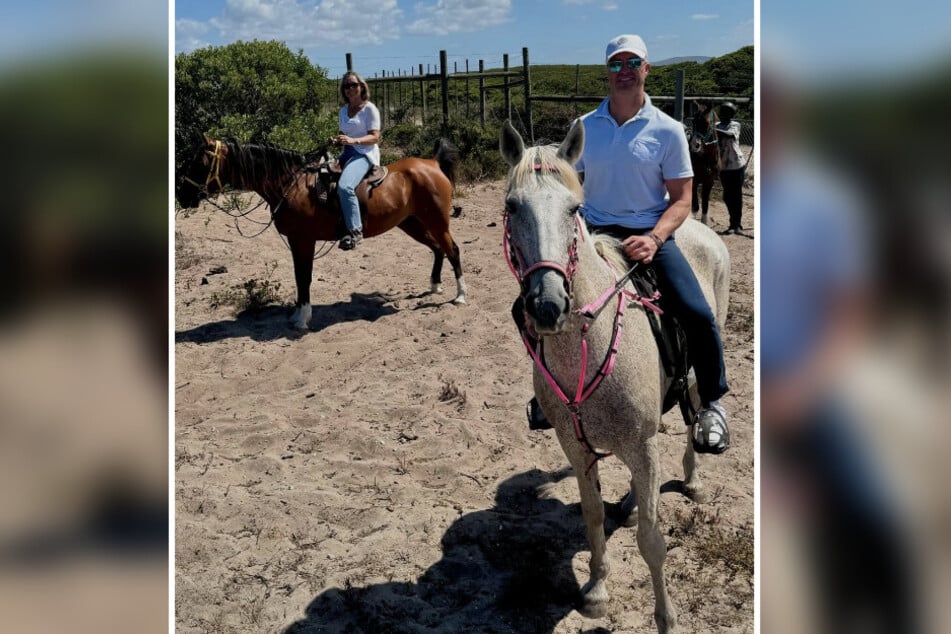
[(447, 155)]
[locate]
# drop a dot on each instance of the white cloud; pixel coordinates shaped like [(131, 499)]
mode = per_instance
[(607, 5), (452, 16), (705, 16), (189, 35), (305, 24)]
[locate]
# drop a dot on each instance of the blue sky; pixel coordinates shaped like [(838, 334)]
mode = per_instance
[(400, 34)]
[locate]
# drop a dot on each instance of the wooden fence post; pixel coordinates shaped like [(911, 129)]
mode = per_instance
[(444, 82), (467, 89), (527, 78), (422, 93), (349, 62), (482, 93), (679, 97), (577, 89), (508, 98)]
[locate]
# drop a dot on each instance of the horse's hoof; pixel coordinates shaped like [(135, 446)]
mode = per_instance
[(666, 624), (696, 493), (459, 300), (594, 609), (595, 603), (435, 289)]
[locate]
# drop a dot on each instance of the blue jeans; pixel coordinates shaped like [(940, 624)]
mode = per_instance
[(354, 171), (681, 294)]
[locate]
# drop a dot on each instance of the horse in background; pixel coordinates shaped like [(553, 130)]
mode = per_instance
[(416, 196), (704, 157), (614, 403)]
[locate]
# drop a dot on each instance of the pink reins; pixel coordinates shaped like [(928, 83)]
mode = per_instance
[(589, 312)]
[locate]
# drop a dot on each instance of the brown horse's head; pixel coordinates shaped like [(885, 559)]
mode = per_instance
[(201, 176)]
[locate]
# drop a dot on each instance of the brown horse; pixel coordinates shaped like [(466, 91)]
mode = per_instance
[(416, 197), (704, 157)]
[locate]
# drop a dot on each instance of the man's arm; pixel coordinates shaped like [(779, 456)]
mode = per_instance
[(643, 248)]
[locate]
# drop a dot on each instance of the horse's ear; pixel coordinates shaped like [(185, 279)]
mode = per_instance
[(571, 148), (510, 144)]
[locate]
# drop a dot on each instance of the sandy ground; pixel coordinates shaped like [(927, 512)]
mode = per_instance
[(376, 474)]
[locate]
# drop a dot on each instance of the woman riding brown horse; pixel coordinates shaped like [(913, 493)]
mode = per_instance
[(416, 197)]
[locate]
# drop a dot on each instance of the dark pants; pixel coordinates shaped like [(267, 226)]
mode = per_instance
[(732, 181), (681, 294)]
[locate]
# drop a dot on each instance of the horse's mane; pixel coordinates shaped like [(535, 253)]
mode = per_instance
[(538, 165), (609, 248), (527, 174), (252, 162)]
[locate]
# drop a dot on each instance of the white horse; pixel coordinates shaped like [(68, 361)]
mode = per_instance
[(600, 385)]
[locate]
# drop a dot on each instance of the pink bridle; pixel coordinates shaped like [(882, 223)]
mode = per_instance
[(589, 312), (513, 257)]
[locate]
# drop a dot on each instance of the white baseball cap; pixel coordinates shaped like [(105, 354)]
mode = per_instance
[(625, 44)]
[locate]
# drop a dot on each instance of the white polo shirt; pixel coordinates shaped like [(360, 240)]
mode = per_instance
[(625, 166), (360, 125)]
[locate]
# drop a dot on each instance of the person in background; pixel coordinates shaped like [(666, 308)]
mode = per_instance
[(360, 136), (732, 165)]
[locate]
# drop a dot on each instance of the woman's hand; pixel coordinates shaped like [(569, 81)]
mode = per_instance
[(343, 139)]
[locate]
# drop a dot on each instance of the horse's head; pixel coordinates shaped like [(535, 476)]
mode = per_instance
[(541, 223), (201, 176)]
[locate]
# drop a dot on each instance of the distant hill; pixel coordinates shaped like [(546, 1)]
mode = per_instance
[(677, 60)]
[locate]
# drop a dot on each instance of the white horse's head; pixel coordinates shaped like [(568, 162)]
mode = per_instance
[(542, 226)]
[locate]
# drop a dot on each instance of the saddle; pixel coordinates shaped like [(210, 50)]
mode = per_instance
[(671, 344), (323, 176)]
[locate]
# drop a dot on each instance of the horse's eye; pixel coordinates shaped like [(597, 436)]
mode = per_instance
[(573, 210)]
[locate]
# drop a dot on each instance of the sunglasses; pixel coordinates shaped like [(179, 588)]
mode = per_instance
[(349, 86), (633, 63)]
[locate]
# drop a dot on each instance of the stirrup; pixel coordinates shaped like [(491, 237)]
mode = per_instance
[(536, 417), (711, 420), (351, 240)]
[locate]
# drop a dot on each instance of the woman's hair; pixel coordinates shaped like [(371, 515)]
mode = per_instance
[(364, 88)]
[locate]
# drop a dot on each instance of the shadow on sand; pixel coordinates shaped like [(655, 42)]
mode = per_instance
[(273, 322), (504, 569)]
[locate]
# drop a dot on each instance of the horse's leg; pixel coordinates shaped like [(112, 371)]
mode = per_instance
[(456, 261), (436, 224), (695, 200), (644, 462), (705, 196), (693, 487), (302, 251), (595, 591), (414, 228)]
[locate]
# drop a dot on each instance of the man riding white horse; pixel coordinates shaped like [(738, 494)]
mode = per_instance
[(637, 176)]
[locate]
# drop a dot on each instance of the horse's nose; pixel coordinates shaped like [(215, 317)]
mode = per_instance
[(547, 303)]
